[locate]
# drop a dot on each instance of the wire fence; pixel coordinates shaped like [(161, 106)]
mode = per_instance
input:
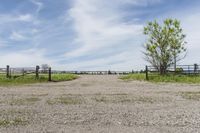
[(16, 72), (99, 72), (179, 70)]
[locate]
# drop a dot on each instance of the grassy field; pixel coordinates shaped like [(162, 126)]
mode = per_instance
[(30, 79), (165, 78)]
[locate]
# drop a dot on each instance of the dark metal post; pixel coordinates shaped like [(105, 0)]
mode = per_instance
[(147, 76), (195, 68), (49, 73), (8, 71), (37, 72), (188, 69)]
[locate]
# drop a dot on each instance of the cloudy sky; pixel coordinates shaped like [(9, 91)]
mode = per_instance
[(89, 34)]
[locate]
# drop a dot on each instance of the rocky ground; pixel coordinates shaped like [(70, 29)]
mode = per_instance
[(100, 104)]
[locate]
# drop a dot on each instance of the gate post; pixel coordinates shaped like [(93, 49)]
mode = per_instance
[(37, 72), (49, 73), (146, 71), (195, 68), (8, 71)]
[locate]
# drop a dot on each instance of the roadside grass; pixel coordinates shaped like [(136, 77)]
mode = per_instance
[(30, 79), (191, 95), (63, 77), (140, 77), (165, 78)]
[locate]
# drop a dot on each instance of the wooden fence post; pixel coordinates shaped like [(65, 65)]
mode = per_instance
[(23, 72), (49, 73), (146, 71), (8, 71), (195, 68), (37, 72)]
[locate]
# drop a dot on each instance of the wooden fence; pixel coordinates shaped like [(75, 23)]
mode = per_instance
[(180, 70), (16, 72)]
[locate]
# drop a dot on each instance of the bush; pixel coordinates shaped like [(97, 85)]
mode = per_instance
[(179, 70)]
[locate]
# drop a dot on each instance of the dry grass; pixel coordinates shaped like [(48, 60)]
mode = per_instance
[(123, 98), (14, 122), (67, 100), (191, 95), (14, 117), (24, 101)]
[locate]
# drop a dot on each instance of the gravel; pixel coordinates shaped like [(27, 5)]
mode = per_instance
[(100, 104)]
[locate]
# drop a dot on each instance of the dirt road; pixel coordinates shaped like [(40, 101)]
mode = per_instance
[(100, 104)]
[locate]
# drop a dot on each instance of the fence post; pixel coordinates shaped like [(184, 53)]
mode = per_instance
[(195, 68), (37, 72), (147, 76), (23, 72), (49, 73), (8, 71)]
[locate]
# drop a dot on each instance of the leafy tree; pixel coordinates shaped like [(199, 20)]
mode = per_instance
[(165, 45)]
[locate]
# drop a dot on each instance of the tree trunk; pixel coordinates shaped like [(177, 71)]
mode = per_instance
[(162, 70), (175, 63)]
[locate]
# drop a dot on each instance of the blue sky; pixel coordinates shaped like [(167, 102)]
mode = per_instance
[(89, 34)]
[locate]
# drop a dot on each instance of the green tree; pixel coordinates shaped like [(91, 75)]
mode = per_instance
[(165, 45)]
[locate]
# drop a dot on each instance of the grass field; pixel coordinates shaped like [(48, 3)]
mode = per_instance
[(166, 78), (30, 79)]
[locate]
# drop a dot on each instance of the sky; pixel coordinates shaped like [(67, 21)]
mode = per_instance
[(89, 34)]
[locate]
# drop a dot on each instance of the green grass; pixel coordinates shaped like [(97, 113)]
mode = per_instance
[(66, 100), (30, 79), (166, 78), (139, 77), (63, 77)]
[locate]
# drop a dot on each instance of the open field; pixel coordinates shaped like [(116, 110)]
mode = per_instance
[(30, 79), (100, 104)]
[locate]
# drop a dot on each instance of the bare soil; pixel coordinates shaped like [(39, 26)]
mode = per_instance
[(100, 104)]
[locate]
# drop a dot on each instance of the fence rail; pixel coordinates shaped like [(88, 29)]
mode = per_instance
[(99, 72), (180, 69), (16, 72)]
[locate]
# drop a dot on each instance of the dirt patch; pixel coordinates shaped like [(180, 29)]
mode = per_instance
[(100, 104)]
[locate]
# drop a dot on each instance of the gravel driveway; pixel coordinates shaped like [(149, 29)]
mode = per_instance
[(100, 104)]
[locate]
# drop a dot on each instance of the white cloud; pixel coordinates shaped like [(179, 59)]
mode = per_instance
[(11, 18), (97, 29), (137, 2), (16, 36), (26, 18), (122, 61), (39, 5), (3, 43), (192, 29), (27, 58)]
